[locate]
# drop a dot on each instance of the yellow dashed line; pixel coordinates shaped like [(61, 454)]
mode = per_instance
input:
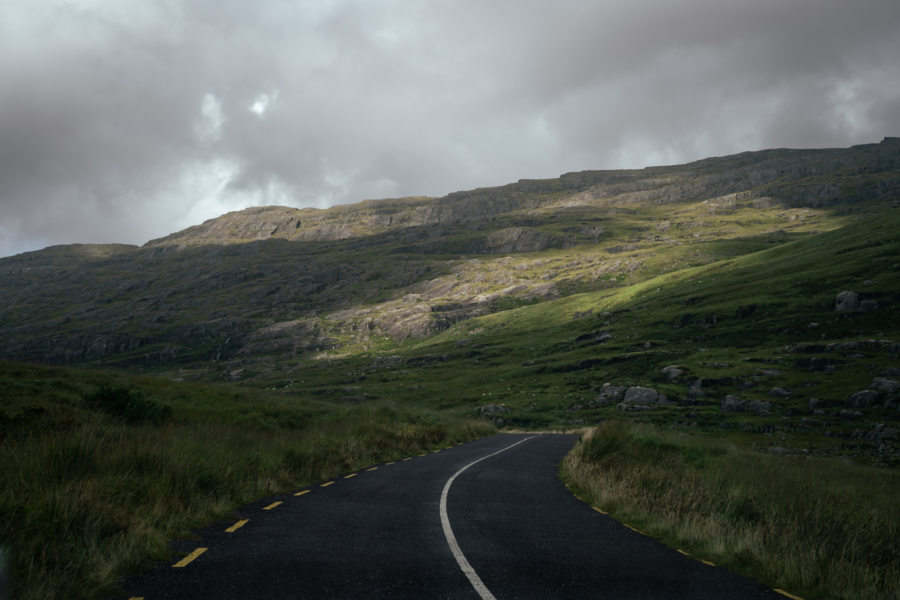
[(680, 551), (390, 463), (424, 454), (189, 558), (788, 594), (435, 452), (602, 512), (301, 492), (372, 469), (406, 459), (273, 505), (237, 526), (351, 475), (136, 598), (706, 562), (327, 483)]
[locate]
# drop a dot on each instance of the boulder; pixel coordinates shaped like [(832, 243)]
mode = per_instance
[(759, 406), (862, 399), (625, 407), (490, 410), (846, 301), (880, 432), (868, 305), (883, 384), (778, 392), (672, 372), (734, 404), (696, 389), (610, 394), (849, 415), (641, 395)]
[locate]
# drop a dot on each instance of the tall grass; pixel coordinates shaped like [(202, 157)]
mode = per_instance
[(91, 494), (823, 528)]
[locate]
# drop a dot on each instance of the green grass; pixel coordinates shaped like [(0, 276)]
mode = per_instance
[(821, 528), (100, 470)]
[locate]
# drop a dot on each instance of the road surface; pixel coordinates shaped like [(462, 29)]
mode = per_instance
[(487, 519)]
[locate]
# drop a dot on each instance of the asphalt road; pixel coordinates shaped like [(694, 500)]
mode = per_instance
[(391, 532)]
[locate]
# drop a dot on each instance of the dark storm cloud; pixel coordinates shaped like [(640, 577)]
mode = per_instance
[(121, 121)]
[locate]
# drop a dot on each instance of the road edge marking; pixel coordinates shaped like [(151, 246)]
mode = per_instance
[(273, 505), (189, 558), (237, 525), (788, 594), (461, 560)]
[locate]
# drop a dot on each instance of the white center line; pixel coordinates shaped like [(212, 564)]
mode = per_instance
[(474, 579)]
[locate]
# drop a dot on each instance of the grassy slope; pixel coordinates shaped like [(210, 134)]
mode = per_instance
[(817, 527), (732, 320), (89, 495)]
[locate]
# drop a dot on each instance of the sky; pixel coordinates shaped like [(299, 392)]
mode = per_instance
[(126, 120)]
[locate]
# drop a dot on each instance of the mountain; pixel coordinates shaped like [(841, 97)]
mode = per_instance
[(270, 294), (277, 279)]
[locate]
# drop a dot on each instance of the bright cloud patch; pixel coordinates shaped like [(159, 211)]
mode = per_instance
[(261, 104)]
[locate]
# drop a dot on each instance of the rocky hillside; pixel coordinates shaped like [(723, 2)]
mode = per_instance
[(258, 290)]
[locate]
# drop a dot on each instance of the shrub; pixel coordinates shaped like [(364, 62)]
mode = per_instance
[(129, 405)]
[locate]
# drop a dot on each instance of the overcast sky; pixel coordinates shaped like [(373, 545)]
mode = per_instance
[(125, 120)]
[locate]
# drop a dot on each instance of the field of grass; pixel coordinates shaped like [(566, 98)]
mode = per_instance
[(101, 469), (821, 528)]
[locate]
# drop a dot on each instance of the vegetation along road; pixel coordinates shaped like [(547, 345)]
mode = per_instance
[(487, 519)]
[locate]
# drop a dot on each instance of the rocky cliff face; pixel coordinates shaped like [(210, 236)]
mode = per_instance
[(265, 283)]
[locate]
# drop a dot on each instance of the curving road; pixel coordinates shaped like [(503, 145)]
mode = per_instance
[(487, 519)]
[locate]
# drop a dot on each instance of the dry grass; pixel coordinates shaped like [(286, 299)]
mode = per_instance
[(88, 496), (820, 528)]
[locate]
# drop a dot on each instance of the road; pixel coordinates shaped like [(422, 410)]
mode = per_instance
[(487, 519)]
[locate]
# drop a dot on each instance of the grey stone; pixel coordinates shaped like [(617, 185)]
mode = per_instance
[(759, 406), (627, 407), (868, 305), (846, 301), (883, 384), (734, 404), (610, 394), (778, 392), (641, 395), (862, 399), (881, 432), (850, 415), (489, 410), (696, 389), (672, 372)]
